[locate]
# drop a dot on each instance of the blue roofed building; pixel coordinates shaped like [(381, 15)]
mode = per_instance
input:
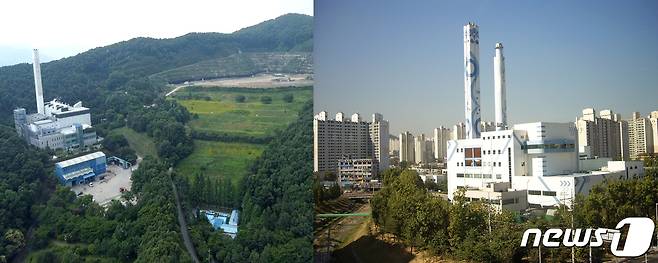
[(81, 169), (227, 223)]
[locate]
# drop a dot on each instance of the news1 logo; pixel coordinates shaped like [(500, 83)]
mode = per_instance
[(638, 237)]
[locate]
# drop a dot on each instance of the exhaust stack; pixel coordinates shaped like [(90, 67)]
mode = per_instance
[(499, 88), (472, 80), (37, 82)]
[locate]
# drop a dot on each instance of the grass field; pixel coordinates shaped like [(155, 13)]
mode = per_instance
[(140, 142), (220, 112), (220, 159)]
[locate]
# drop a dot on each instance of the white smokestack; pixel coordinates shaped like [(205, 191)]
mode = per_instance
[(499, 88), (37, 82), (472, 80)]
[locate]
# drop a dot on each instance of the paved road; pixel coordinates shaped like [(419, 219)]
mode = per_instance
[(183, 226)]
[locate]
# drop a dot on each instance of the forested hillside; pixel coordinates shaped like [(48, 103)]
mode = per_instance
[(101, 76)]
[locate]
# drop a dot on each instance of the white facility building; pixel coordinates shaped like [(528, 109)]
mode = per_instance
[(539, 159), (532, 164), (56, 125)]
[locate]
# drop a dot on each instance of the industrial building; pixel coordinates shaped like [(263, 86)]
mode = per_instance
[(354, 138), (538, 159), (81, 170), (55, 125), (532, 164)]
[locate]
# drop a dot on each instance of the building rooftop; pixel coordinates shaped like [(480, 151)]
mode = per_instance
[(56, 106), (80, 159)]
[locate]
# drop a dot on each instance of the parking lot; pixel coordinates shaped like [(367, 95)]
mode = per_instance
[(108, 188)]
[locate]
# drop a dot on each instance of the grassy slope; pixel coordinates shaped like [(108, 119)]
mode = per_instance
[(220, 159), (140, 142), (223, 114)]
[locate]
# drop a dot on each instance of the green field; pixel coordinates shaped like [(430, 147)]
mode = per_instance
[(220, 159), (219, 112), (140, 142)]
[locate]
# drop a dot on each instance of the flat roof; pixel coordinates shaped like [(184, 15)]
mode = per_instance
[(80, 159)]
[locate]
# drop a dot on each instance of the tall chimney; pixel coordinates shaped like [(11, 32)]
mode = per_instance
[(499, 88), (472, 80), (37, 82)]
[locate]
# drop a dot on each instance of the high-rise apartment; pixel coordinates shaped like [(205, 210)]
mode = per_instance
[(599, 135), (441, 138), (353, 138), (407, 148), (640, 136)]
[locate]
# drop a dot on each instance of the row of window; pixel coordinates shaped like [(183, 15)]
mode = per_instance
[(497, 137), (549, 146), (477, 176), (544, 193), (478, 163)]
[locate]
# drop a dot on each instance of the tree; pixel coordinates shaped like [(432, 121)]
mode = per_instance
[(266, 99), (240, 98), (288, 98)]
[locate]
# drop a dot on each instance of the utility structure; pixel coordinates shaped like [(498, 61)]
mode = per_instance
[(499, 89), (472, 80), (38, 88)]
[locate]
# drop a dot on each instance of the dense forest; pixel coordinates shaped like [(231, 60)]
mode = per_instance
[(113, 81), (32, 199), (471, 231)]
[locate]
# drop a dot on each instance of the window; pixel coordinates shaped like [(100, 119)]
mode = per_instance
[(508, 201), (498, 176), (550, 193), (460, 175), (534, 192)]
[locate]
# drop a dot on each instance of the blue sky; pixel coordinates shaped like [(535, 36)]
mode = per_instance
[(404, 59)]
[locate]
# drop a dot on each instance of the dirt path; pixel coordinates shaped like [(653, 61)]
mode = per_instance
[(183, 225)]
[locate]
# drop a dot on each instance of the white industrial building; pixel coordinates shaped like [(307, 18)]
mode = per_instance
[(540, 159), (531, 164), (55, 125)]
